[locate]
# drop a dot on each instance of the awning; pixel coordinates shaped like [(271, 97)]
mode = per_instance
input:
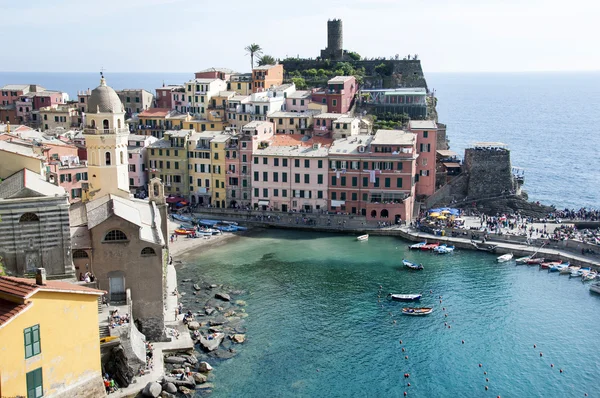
[(446, 153), (263, 202), (451, 165), (174, 199), (337, 203)]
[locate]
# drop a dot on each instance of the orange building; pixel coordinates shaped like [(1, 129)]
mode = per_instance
[(263, 77)]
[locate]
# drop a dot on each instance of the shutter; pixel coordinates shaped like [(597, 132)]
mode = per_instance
[(28, 345)]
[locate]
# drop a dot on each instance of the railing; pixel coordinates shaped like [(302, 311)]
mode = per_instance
[(89, 130)]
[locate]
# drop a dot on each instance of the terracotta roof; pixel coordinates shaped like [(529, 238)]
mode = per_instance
[(155, 112), (9, 310), (25, 288)]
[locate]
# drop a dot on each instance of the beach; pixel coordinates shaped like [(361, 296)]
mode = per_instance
[(182, 244)]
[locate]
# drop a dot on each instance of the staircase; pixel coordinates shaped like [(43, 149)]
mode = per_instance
[(104, 331)]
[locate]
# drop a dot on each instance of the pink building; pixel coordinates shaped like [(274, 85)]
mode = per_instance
[(10, 93), (298, 101), (253, 135), (373, 175), (426, 131), (165, 96), (339, 94), (215, 73), (136, 149), (291, 174), (65, 169)]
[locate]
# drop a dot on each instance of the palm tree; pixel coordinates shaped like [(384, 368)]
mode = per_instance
[(253, 49), (266, 60)]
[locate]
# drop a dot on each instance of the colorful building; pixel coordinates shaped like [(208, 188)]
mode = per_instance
[(49, 339), (373, 175), (266, 76), (200, 165), (135, 100), (298, 101), (164, 96), (339, 95), (292, 122), (59, 116), (412, 101), (156, 121), (425, 175), (215, 73), (241, 83), (199, 93), (137, 159), (168, 160)]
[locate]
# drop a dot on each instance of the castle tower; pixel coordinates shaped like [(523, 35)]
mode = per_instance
[(106, 142), (335, 40)]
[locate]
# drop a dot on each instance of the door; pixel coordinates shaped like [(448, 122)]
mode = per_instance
[(284, 208), (117, 288)]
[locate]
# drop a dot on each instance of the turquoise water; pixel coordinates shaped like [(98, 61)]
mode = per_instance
[(315, 327)]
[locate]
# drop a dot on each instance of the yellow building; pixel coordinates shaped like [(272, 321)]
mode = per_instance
[(65, 116), (214, 123), (156, 121), (218, 145), (49, 339), (15, 156), (292, 122), (168, 160)]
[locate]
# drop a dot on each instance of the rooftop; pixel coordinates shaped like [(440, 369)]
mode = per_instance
[(24, 150), (204, 81), (264, 67), (299, 94), (27, 183), (155, 112), (293, 114), (349, 146), (179, 133), (340, 79), (422, 124), (15, 87), (137, 137), (281, 87), (255, 123), (226, 94), (398, 91), (222, 70), (24, 288), (329, 115), (296, 145), (393, 137), (9, 310)]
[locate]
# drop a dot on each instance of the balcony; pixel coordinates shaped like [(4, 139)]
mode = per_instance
[(97, 131), (203, 148)]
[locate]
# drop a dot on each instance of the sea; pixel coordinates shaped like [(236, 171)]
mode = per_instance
[(550, 121), (319, 323)]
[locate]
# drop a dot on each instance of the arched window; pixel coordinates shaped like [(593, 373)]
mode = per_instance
[(384, 213), (121, 158), (93, 124), (119, 123), (373, 213), (105, 124), (115, 236), (80, 254), (148, 251), (29, 217), (108, 158)]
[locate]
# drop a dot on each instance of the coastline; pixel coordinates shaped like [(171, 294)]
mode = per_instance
[(183, 245)]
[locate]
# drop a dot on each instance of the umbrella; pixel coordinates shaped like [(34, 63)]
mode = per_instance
[(442, 217), (446, 212), (434, 210), (174, 199), (434, 214)]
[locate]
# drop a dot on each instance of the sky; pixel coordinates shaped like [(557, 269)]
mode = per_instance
[(189, 35)]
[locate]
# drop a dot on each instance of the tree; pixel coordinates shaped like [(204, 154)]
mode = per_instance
[(253, 49), (266, 60), (300, 83), (312, 72), (344, 69), (354, 56)]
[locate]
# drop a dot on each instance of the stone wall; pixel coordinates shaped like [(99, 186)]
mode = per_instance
[(490, 172), (90, 385)]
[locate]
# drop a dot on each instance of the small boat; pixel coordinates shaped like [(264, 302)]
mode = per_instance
[(405, 297), (580, 272), (522, 260), (569, 269), (225, 227), (417, 246), (184, 231), (595, 287), (363, 237), (590, 276), (534, 261), (208, 223), (417, 311), (548, 264), (179, 217), (430, 246), (505, 257), (483, 247), (240, 228), (229, 222), (444, 249), (412, 265), (558, 267)]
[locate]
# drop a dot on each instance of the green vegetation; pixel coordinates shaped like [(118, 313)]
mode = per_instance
[(390, 121), (384, 69), (266, 60), (354, 56), (318, 77), (253, 49), (300, 83)]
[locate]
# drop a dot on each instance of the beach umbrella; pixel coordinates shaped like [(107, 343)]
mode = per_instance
[(446, 212), (434, 214), (442, 217), (435, 210)]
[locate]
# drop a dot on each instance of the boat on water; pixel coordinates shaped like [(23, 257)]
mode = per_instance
[(595, 287), (362, 238), (558, 267), (505, 257), (569, 269), (444, 249), (548, 264), (522, 260), (417, 246), (405, 297), (429, 246), (580, 272), (412, 265), (417, 311), (484, 247), (534, 261), (590, 276)]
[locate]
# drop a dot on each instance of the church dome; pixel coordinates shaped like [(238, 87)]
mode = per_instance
[(104, 99)]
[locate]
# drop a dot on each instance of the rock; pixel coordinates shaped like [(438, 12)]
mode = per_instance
[(223, 354), (178, 371), (191, 359), (213, 286), (199, 378), (238, 338), (182, 293), (185, 382), (165, 394), (175, 359), (118, 366), (152, 389), (204, 367), (193, 325), (186, 280), (223, 296), (170, 388), (241, 303), (237, 292), (212, 344), (209, 310), (205, 386), (194, 293), (217, 321), (229, 313), (185, 390), (196, 287)]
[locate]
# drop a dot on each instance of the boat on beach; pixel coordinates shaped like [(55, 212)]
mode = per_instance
[(362, 238), (184, 231), (417, 246), (405, 297), (505, 257), (417, 311), (412, 265)]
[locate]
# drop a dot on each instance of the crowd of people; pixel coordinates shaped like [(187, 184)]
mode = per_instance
[(117, 319), (581, 214), (87, 277), (110, 385)]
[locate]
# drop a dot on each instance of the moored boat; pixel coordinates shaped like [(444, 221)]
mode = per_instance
[(534, 261), (430, 246), (362, 238), (412, 265), (444, 249), (405, 297), (417, 246), (558, 267), (580, 272), (522, 260), (208, 223), (417, 311), (595, 287), (505, 257), (590, 276), (548, 264), (569, 269)]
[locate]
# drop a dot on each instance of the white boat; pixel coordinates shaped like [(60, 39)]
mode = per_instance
[(505, 257), (417, 246), (363, 237), (595, 287), (417, 311), (444, 249), (405, 297), (580, 272), (590, 276), (522, 260), (568, 270)]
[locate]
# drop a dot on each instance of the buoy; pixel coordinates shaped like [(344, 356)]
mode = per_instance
[(561, 371), (446, 315), (440, 301), (394, 321), (463, 342), (443, 308), (431, 291), (486, 379), (400, 341), (484, 372), (479, 365), (381, 287), (449, 326), (541, 354), (534, 346), (406, 357), (445, 323), (408, 384), (402, 349), (486, 388), (405, 393), (440, 296), (551, 365), (318, 370)]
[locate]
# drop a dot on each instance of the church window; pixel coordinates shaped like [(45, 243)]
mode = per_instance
[(115, 236), (80, 254), (119, 123), (93, 124), (148, 251), (105, 124), (121, 157), (108, 158), (29, 217)]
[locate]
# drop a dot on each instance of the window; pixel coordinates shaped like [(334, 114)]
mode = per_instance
[(284, 193), (32, 341), (168, 164), (29, 217), (80, 254), (256, 192), (256, 176), (115, 236), (297, 178), (216, 155), (365, 181), (399, 165), (354, 196), (376, 185), (319, 194), (265, 160), (334, 102), (425, 134), (35, 384), (387, 182), (320, 179), (265, 192), (275, 177), (285, 161), (256, 160), (343, 181), (275, 192), (265, 176), (306, 163), (399, 182), (148, 251), (307, 178), (334, 196), (320, 164), (342, 195), (354, 181), (107, 158), (276, 162), (244, 158), (283, 177), (333, 180)]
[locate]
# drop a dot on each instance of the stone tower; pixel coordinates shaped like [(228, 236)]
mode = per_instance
[(335, 40), (106, 142)]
